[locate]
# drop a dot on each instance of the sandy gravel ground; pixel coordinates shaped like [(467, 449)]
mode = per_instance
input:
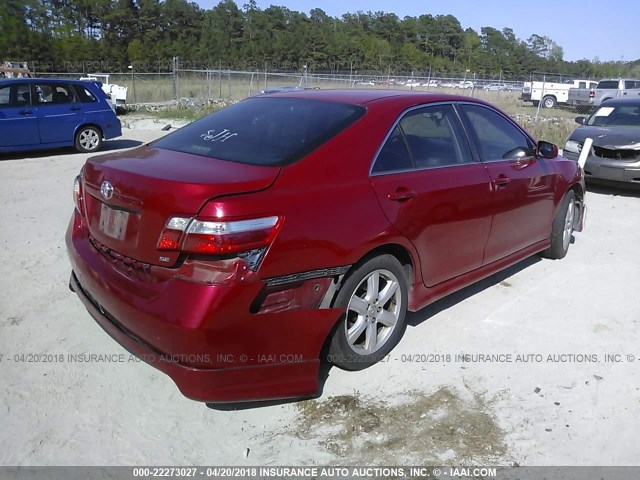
[(558, 403)]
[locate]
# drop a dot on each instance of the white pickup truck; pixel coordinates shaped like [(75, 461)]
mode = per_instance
[(605, 90), (116, 93), (551, 94)]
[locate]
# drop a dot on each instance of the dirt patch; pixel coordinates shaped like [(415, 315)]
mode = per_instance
[(426, 429)]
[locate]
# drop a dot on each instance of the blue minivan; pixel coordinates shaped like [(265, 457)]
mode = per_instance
[(38, 113)]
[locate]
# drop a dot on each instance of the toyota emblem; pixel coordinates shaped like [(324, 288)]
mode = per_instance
[(106, 189)]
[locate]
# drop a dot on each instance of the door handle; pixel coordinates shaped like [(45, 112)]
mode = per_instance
[(501, 181), (75, 108), (401, 194), (25, 112)]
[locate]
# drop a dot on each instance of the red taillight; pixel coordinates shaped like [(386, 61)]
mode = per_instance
[(592, 93), (172, 233), (78, 195), (217, 237)]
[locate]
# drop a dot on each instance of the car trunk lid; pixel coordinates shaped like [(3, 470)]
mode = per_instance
[(148, 186)]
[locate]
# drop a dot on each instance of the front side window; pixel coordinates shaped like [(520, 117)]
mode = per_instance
[(55, 93), (15, 95), (496, 137)]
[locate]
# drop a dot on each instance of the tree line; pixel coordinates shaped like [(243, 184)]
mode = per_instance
[(110, 35)]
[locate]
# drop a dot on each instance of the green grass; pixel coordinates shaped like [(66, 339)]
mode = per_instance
[(553, 125)]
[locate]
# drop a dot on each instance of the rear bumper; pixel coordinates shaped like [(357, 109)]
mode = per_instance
[(113, 128), (203, 336), (580, 102)]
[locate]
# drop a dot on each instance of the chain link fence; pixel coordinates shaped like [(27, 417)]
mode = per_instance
[(206, 89)]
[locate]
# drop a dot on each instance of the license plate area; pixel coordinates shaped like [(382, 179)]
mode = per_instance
[(612, 173), (113, 223)]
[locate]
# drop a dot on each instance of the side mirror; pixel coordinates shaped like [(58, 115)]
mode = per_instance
[(581, 120), (546, 150)]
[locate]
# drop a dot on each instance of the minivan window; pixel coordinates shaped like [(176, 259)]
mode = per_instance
[(85, 95), (271, 131), (54, 93), (15, 95)]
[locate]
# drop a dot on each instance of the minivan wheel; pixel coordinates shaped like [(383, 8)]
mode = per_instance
[(375, 297), (562, 228), (88, 139)]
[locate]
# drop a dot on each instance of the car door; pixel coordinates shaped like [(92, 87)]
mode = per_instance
[(59, 112), (522, 184), (433, 192), (18, 116)]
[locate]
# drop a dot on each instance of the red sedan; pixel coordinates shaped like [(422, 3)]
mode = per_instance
[(242, 250)]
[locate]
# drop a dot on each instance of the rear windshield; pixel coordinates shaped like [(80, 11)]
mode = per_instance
[(264, 130), (608, 84)]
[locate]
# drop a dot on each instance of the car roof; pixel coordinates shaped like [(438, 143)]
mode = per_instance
[(364, 97), (40, 80), (622, 101)]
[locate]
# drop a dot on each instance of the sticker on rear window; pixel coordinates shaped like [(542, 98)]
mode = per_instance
[(222, 136)]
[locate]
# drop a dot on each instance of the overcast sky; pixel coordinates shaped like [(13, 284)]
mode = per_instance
[(583, 28)]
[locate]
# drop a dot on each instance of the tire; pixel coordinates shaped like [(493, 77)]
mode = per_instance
[(549, 102), (562, 228), (88, 139), (371, 325)]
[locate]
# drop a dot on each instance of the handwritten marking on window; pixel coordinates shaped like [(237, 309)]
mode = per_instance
[(222, 136)]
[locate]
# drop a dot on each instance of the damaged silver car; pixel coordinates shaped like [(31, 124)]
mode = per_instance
[(615, 153)]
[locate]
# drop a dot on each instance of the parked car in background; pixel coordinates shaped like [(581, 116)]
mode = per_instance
[(231, 252), (604, 90), (465, 85), (37, 113), (615, 130), (431, 83), (514, 87), (494, 87), (551, 94)]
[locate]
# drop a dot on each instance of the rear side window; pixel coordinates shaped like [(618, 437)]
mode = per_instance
[(394, 155), (15, 95), (55, 93), (84, 94), (267, 131), (427, 137), (435, 138), (497, 138)]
